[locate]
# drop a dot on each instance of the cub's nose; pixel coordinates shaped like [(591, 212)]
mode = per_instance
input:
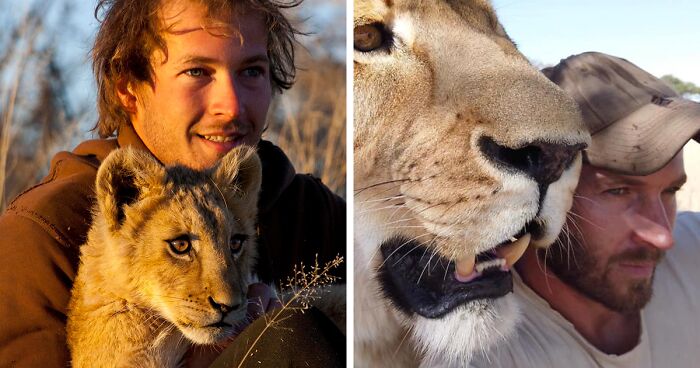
[(221, 307), (542, 161)]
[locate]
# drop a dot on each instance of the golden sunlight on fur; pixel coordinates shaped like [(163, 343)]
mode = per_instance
[(167, 262), (464, 155)]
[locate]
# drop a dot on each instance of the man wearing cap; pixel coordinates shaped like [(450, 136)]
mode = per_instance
[(587, 301)]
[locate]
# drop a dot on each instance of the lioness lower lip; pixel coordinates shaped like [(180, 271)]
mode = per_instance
[(513, 251)]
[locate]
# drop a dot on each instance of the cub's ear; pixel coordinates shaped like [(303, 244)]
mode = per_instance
[(124, 176), (239, 175)]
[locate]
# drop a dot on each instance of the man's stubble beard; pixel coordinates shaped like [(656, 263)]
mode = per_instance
[(569, 260)]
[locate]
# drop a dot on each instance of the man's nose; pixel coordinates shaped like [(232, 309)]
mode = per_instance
[(651, 224), (224, 99)]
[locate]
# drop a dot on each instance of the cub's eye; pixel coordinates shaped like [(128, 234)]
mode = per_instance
[(237, 241), (369, 37), (180, 246)]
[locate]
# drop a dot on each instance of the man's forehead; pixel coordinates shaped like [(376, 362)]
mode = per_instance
[(672, 172), (602, 175), (185, 16)]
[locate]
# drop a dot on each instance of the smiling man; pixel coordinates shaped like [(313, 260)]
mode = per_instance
[(211, 87), (587, 301), (186, 81)]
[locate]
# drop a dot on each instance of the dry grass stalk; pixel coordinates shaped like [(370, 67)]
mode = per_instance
[(303, 288)]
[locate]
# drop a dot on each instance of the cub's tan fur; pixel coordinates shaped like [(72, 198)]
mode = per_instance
[(445, 76), (136, 302)]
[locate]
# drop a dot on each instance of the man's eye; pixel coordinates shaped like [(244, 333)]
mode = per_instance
[(253, 72), (195, 72), (672, 190), (617, 191)]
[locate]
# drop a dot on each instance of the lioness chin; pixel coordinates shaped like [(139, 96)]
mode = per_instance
[(464, 155), (167, 262)]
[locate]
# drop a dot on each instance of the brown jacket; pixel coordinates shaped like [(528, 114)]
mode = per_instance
[(43, 228)]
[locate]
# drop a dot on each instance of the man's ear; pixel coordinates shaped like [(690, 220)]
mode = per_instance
[(127, 94), (239, 176), (122, 179)]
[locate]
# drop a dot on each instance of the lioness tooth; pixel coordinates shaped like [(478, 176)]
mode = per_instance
[(513, 251), (513, 239), (498, 262), (465, 266)]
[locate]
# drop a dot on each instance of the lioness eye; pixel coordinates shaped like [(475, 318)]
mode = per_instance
[(368, 37), (180, 245), (237, 241)]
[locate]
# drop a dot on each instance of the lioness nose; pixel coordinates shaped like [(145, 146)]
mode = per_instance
[(542, 161), (223, 308)]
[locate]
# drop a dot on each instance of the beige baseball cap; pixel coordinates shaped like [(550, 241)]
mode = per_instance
[(637, 122)]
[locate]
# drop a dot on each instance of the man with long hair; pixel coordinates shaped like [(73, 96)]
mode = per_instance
[(186, 81)]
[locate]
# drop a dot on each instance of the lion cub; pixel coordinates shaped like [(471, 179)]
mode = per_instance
[(169, 255)]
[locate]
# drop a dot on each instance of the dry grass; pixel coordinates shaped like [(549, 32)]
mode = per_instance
[(36, 119), (308, 123), (304, 288)]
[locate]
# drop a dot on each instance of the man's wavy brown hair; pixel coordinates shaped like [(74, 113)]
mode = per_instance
[(130, 30)]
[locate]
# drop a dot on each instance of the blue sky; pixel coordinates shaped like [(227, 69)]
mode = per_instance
[(659, 36)]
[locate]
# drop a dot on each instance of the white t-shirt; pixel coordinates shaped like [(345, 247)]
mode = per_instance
[(670, 333)]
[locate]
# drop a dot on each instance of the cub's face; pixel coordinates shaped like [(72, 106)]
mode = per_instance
[(461, 147), (186, 239)]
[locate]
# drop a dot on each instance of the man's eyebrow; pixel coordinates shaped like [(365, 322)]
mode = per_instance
[(680, 181), (198, 59), (625, 179), (256, 59)]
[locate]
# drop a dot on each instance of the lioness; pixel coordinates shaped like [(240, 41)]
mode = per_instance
[(464, 155), (169, 255)]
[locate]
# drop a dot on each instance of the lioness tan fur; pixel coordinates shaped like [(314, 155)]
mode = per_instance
[(432, 80), (137, 301)]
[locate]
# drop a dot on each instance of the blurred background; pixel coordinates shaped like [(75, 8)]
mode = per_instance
[(659, 36), (47, 92)]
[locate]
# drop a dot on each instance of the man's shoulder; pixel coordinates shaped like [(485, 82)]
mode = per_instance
[(61, 202), (282, 184), (677, 274)]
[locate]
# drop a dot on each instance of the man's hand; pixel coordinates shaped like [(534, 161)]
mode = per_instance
[(261, 299)]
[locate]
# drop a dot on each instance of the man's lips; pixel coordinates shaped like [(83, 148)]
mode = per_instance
[(221, 142), (638, 269), (638, 262)]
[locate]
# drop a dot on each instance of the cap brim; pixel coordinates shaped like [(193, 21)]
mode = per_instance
[(647, 139)]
